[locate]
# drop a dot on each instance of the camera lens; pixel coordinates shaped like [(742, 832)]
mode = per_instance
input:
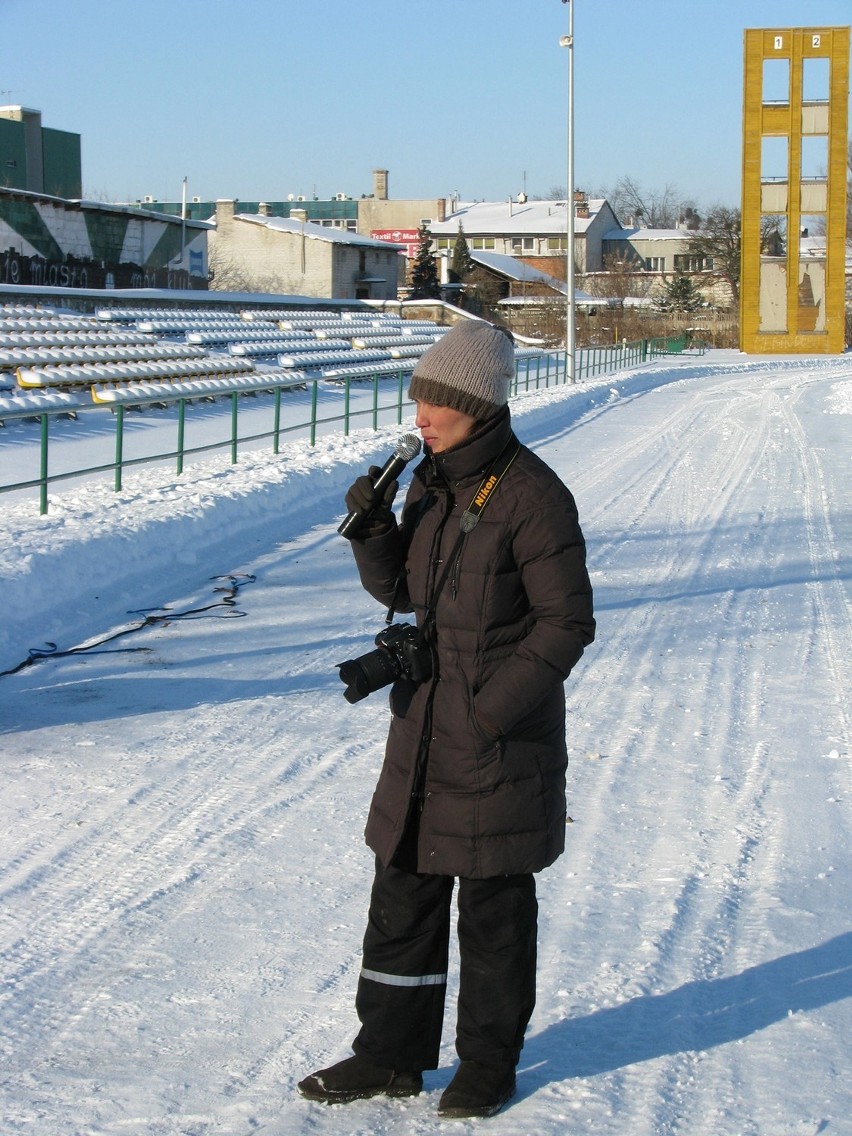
[(368, 673)]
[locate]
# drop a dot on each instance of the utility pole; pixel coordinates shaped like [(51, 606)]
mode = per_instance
[(570, 302), (183, 224)]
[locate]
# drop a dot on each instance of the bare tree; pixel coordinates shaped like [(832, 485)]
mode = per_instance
[(719, 241), (655, 208), (229, 274), (620, 277)]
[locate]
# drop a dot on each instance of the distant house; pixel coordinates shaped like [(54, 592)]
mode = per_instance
[(655, 255), (654, 250), (532, 231), (255, 252), (521, 285)]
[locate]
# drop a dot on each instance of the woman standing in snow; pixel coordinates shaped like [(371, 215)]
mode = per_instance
[(490, 557)]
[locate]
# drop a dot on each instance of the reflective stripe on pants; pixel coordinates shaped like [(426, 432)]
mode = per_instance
[(402, 987)]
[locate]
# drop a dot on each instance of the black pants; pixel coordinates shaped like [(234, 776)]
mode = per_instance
[(401, 991)]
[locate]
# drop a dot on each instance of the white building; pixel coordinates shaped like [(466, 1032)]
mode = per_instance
[(533, 231), (654, 250), (255, 252)]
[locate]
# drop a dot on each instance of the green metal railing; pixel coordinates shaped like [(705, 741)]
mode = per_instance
[(387, 404)]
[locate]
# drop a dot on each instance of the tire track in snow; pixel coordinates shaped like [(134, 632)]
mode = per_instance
[(159, 839), (833, 618), (694, 927)]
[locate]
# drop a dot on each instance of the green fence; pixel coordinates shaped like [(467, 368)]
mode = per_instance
[(388, 403)]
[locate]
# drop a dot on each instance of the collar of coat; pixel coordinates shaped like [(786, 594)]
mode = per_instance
[(466, 463)]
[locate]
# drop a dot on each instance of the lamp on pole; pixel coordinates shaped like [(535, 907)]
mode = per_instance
[(568, 41)]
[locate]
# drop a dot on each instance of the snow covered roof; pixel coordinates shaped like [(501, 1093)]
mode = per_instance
[(317, 232), (515, 269), (501, 217), (647, 235)]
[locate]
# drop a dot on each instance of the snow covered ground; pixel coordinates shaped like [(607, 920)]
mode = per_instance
[(183, 879)]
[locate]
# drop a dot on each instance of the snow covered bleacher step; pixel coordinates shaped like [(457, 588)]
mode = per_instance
[(33, 402), (291, 345), (369, 340), (78, 337), (320, 360), (93, 373), (154, 352), (243, 334), (197, 388), (367, 370)]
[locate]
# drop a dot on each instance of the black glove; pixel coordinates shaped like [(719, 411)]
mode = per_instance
[(361, 498)]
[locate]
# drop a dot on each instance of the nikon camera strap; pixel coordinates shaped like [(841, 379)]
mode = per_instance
[(467, 523), (470, 519)]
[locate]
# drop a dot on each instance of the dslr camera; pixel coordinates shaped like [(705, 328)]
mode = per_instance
[(399, 653)]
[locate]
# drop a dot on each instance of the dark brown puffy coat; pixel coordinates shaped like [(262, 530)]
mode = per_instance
[(476, 759)]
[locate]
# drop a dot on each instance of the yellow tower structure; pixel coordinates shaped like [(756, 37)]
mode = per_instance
[(795, 111)]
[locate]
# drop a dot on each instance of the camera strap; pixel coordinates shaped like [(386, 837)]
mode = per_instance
[(467, 523), (470, 519)]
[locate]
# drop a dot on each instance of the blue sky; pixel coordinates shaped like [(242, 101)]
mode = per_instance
[(264, 98)]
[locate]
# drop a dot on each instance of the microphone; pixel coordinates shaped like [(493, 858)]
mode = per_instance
[(407, 447)]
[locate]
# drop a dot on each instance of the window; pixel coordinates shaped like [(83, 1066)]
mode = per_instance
[(816, 74), (483, 242), (776, 80), (655, 264), (774, 157), (557, 244), (815, 157), (688, 262)]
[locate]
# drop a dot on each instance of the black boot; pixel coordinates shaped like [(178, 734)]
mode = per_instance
[(356, 1078), (477, 1090)]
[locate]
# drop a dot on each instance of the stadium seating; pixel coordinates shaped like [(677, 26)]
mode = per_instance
[(52, 359)]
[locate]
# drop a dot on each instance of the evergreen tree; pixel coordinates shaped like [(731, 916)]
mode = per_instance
[(461, 265), (679, 295), (424, 273)]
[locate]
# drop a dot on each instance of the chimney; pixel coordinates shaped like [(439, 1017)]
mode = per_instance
[(225, 209), (299, 215), (263, 209), (380, 185)]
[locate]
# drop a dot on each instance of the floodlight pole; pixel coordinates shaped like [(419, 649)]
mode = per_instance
[(570, 303), (183, 224)]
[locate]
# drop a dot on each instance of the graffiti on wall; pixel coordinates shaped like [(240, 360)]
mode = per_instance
[(83, 272)]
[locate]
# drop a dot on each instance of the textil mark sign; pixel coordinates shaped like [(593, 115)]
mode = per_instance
[(408, 237)]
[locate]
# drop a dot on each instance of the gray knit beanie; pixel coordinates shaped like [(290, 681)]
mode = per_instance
[(469, 369)]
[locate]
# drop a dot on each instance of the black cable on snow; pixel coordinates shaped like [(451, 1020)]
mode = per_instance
[(151, 617)]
